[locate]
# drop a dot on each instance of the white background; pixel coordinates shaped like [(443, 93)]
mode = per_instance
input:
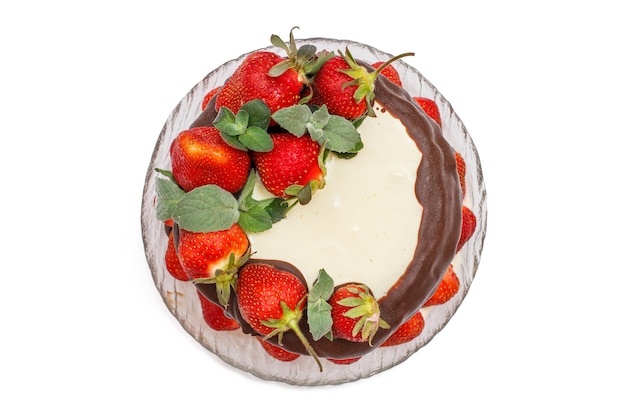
[(85, 90)]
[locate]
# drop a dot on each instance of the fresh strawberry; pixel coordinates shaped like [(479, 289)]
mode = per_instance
[(447, 288), (461, 169), (215, 316), (430, 108), (407, 331), (293, 161), (276, 80), (277, 352), (389, 72), (172, 263), (346, 87), (200, 157), (347, 361), (209, 96), (272, 301), (468, 226), (214, 257), (355, 313)]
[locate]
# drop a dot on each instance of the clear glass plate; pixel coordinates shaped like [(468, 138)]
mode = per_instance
[(243, 351)]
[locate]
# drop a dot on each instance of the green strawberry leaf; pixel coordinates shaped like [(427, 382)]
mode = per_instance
[(318, 309), (206, 209), (277, 208), (168, 196), (256, 139)]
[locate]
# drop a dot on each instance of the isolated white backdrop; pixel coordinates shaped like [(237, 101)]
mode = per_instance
[(85, 89)]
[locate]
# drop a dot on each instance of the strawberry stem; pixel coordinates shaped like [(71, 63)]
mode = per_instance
[(293, 325)]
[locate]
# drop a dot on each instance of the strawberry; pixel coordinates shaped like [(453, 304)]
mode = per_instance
[(172, 263), (468, 226), (407, 331), (200, 157), (214, 257), (215, 316), (355, 313), (447, 288), (276, 80), (272, 301), (389, 72), (461, 169), (293, 161), (209, 96), (277, 352), (346, 87), (430, 108)]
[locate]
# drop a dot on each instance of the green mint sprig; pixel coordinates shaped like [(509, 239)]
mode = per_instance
[(318, 309), (335, 133), (246, 130)]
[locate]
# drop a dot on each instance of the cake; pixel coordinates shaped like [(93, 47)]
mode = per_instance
[(298, 192)]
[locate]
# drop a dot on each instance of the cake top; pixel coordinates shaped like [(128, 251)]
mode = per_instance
[(302, 107)]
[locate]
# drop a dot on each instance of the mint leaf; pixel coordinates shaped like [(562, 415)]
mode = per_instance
[(257, 139), (259, 114), (293, 119), (168, 196), (316, 123), (322, 288), (318, 309), (206, 209), (341, 136), (255, 220), (245, 196)]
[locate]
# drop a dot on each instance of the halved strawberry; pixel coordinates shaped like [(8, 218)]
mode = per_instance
[(272, 301), (172, 263), (347, 361), (214, 257), (407, 331), (215, 316), (430, 108), (277, 352), (448, 287), (355, 313), (200, 157), (468, 227), (461, 170), (389, 72)]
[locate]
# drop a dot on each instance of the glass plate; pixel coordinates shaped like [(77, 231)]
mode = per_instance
[(243, 351)]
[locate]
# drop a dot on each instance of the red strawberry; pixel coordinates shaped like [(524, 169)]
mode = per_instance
[(272, 301), (407, 331), (468, 227), (215, 316), (447, 288), (346, 87), (200, 157), (460, 168), (171, 260), (293, 161), (430, 108), (355, 313), (347, 361), (252, 81), (389, 72), (267, 76), (214, 257), (209, 96), (277, 352)]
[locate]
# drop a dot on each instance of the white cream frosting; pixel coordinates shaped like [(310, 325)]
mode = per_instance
[(363, 225)]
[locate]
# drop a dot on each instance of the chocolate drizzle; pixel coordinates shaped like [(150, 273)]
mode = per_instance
[(438, 191)]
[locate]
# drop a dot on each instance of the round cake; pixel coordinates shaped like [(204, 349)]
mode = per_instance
[(313, 205)]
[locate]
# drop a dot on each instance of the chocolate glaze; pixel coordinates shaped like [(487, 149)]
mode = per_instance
[(438, 191)]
